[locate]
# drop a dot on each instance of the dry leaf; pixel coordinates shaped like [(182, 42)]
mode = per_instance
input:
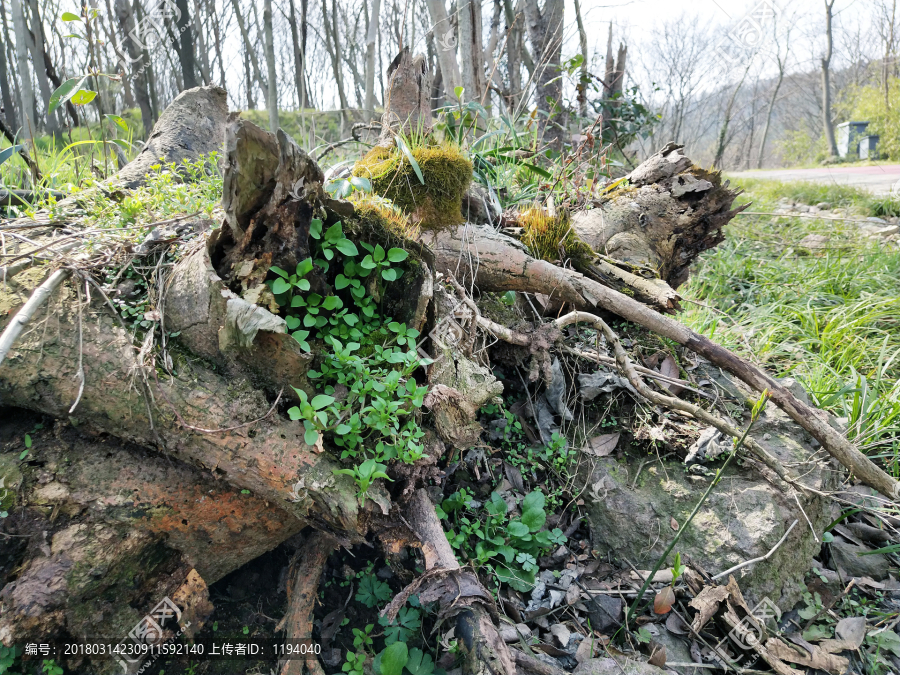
[(573, 594), (707, 604), (673, 524), (820, 659), (852, 631), (561, 634), (664, 600), (601, 446), (669, 368), (658, 657), (586, 649), (675, 624)]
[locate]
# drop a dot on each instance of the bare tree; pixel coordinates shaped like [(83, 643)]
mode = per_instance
[(299, 78), (36, 43), (185, 45), (125, 16), (887, 22), (272, 98), (545, 30), (371, 36), (583, 45), (250, 52), (6, 93), (471, 54), (782, 54), (828, 126), (445, 42), (27, 93)]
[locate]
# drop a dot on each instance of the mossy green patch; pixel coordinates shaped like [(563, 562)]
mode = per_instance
[(10, 480), (551, 237), (434, 205)]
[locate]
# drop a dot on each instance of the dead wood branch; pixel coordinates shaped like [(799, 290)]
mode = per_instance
[(26, 313), (303, 589)]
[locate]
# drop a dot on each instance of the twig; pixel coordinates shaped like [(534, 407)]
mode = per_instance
[(24, 315), (80, 372), (627, 368), (760, 558)]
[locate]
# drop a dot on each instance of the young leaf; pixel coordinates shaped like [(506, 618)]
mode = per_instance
[(83, 97), (664, 600), (68, 16), (67, 89), (310, 436), (118, 121), (404, 148), (321, 401), (280, 272), (394, 658), (397, 255), (280, 286), (346, 247)]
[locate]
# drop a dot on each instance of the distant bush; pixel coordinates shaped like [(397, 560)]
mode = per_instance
[(868, 104)]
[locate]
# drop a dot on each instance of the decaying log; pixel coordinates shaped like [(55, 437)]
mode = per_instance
[(668, 212), (192, 125), (122, 527), (269, 458), (408, 99), (495, 262)]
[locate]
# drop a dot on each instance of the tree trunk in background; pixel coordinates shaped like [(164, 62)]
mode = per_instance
[(332, 44), (723, 139), (583, 44), (38, 44), (250, 53), (26, 92), (272, 98), (445, 43), (371, 37), (613, 80), (299, 80), (8, 74), (205, 71), (217, 38), (765, 131), (304, 14), (110, 29), (125, 18), (5, 94), (248, 82), (828, 127), (147, 65), (185, 45), (471, 49), (545, 30)]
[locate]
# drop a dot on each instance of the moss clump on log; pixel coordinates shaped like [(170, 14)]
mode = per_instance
[(434, 205), (379, 213), (551, 237)]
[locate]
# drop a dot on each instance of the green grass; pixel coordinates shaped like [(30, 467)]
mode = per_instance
[(856, 200), (830, 318)]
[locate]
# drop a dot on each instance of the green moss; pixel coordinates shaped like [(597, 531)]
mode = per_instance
[(552, 237), (10, 480), (435, 205)]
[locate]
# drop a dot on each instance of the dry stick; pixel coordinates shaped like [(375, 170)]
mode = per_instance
[(24, 315), (627, 368), (812, 420), (760, 558), (303, 586)]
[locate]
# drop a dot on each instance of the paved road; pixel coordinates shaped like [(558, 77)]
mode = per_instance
[(878, 179)]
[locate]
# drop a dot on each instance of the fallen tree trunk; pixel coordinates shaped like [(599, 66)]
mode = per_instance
[(124, 528)]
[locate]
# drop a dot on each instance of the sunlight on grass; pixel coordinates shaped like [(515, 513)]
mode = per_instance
[(829, 318)]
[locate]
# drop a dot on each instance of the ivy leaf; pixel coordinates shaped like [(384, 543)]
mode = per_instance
[(389, 274), (280, 272), (315, 228), (304, 267), (332, 302), (378, 254), (311, 436), (280, 286), (341, 282), (294, 413), (397, 255)]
